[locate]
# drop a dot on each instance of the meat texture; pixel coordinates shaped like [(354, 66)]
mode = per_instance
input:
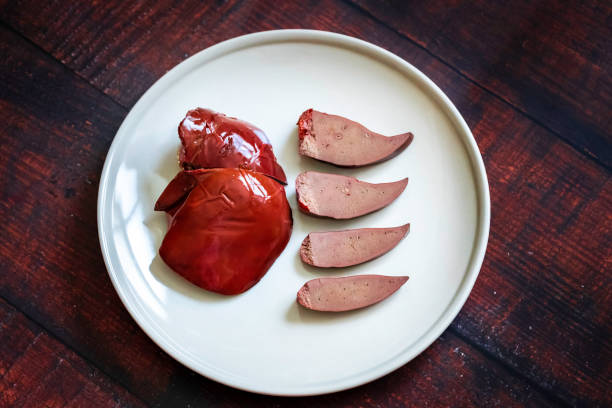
[(214, 140), (343, 142), (227, 227), (350, 247), (348, 293), (342, 197), (177, 190)]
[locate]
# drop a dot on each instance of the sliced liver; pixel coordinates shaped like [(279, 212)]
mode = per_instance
[(343, 142), (350, 247), (343, 197), (348, 293)]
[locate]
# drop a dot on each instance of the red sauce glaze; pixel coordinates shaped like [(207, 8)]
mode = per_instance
[(212, 140), (227, 227)]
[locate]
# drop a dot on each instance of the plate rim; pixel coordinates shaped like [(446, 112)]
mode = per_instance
[(104, 213)]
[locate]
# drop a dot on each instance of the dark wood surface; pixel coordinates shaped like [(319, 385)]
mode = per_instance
[(532, 79)]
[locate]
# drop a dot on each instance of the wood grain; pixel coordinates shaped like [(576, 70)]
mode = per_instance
[(548, 58), (56, 130), (62, 281), (36, 370), (449, 373), (540, 304), (119, 47), (541, 301)]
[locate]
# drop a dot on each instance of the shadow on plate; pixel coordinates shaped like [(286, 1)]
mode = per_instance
[(300, 315), (175, 282)]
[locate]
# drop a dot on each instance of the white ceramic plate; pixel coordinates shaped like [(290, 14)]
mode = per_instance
[(262, 341)]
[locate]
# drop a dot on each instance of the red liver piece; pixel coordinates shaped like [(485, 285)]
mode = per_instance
[(177, 190), (227, 227), (214, 140)]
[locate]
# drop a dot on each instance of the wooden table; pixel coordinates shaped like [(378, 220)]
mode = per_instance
[(533, 81)]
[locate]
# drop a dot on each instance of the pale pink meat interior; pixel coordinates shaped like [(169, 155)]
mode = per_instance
[(342, 197), (350, 247)]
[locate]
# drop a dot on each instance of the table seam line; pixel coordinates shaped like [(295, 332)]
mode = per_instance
[(80, 77), (583, 152), (549, 394), (49, 332)]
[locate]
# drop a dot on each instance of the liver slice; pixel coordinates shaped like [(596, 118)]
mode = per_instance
[(343, 142), (350, 247), (348, 293), (343, 197)]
